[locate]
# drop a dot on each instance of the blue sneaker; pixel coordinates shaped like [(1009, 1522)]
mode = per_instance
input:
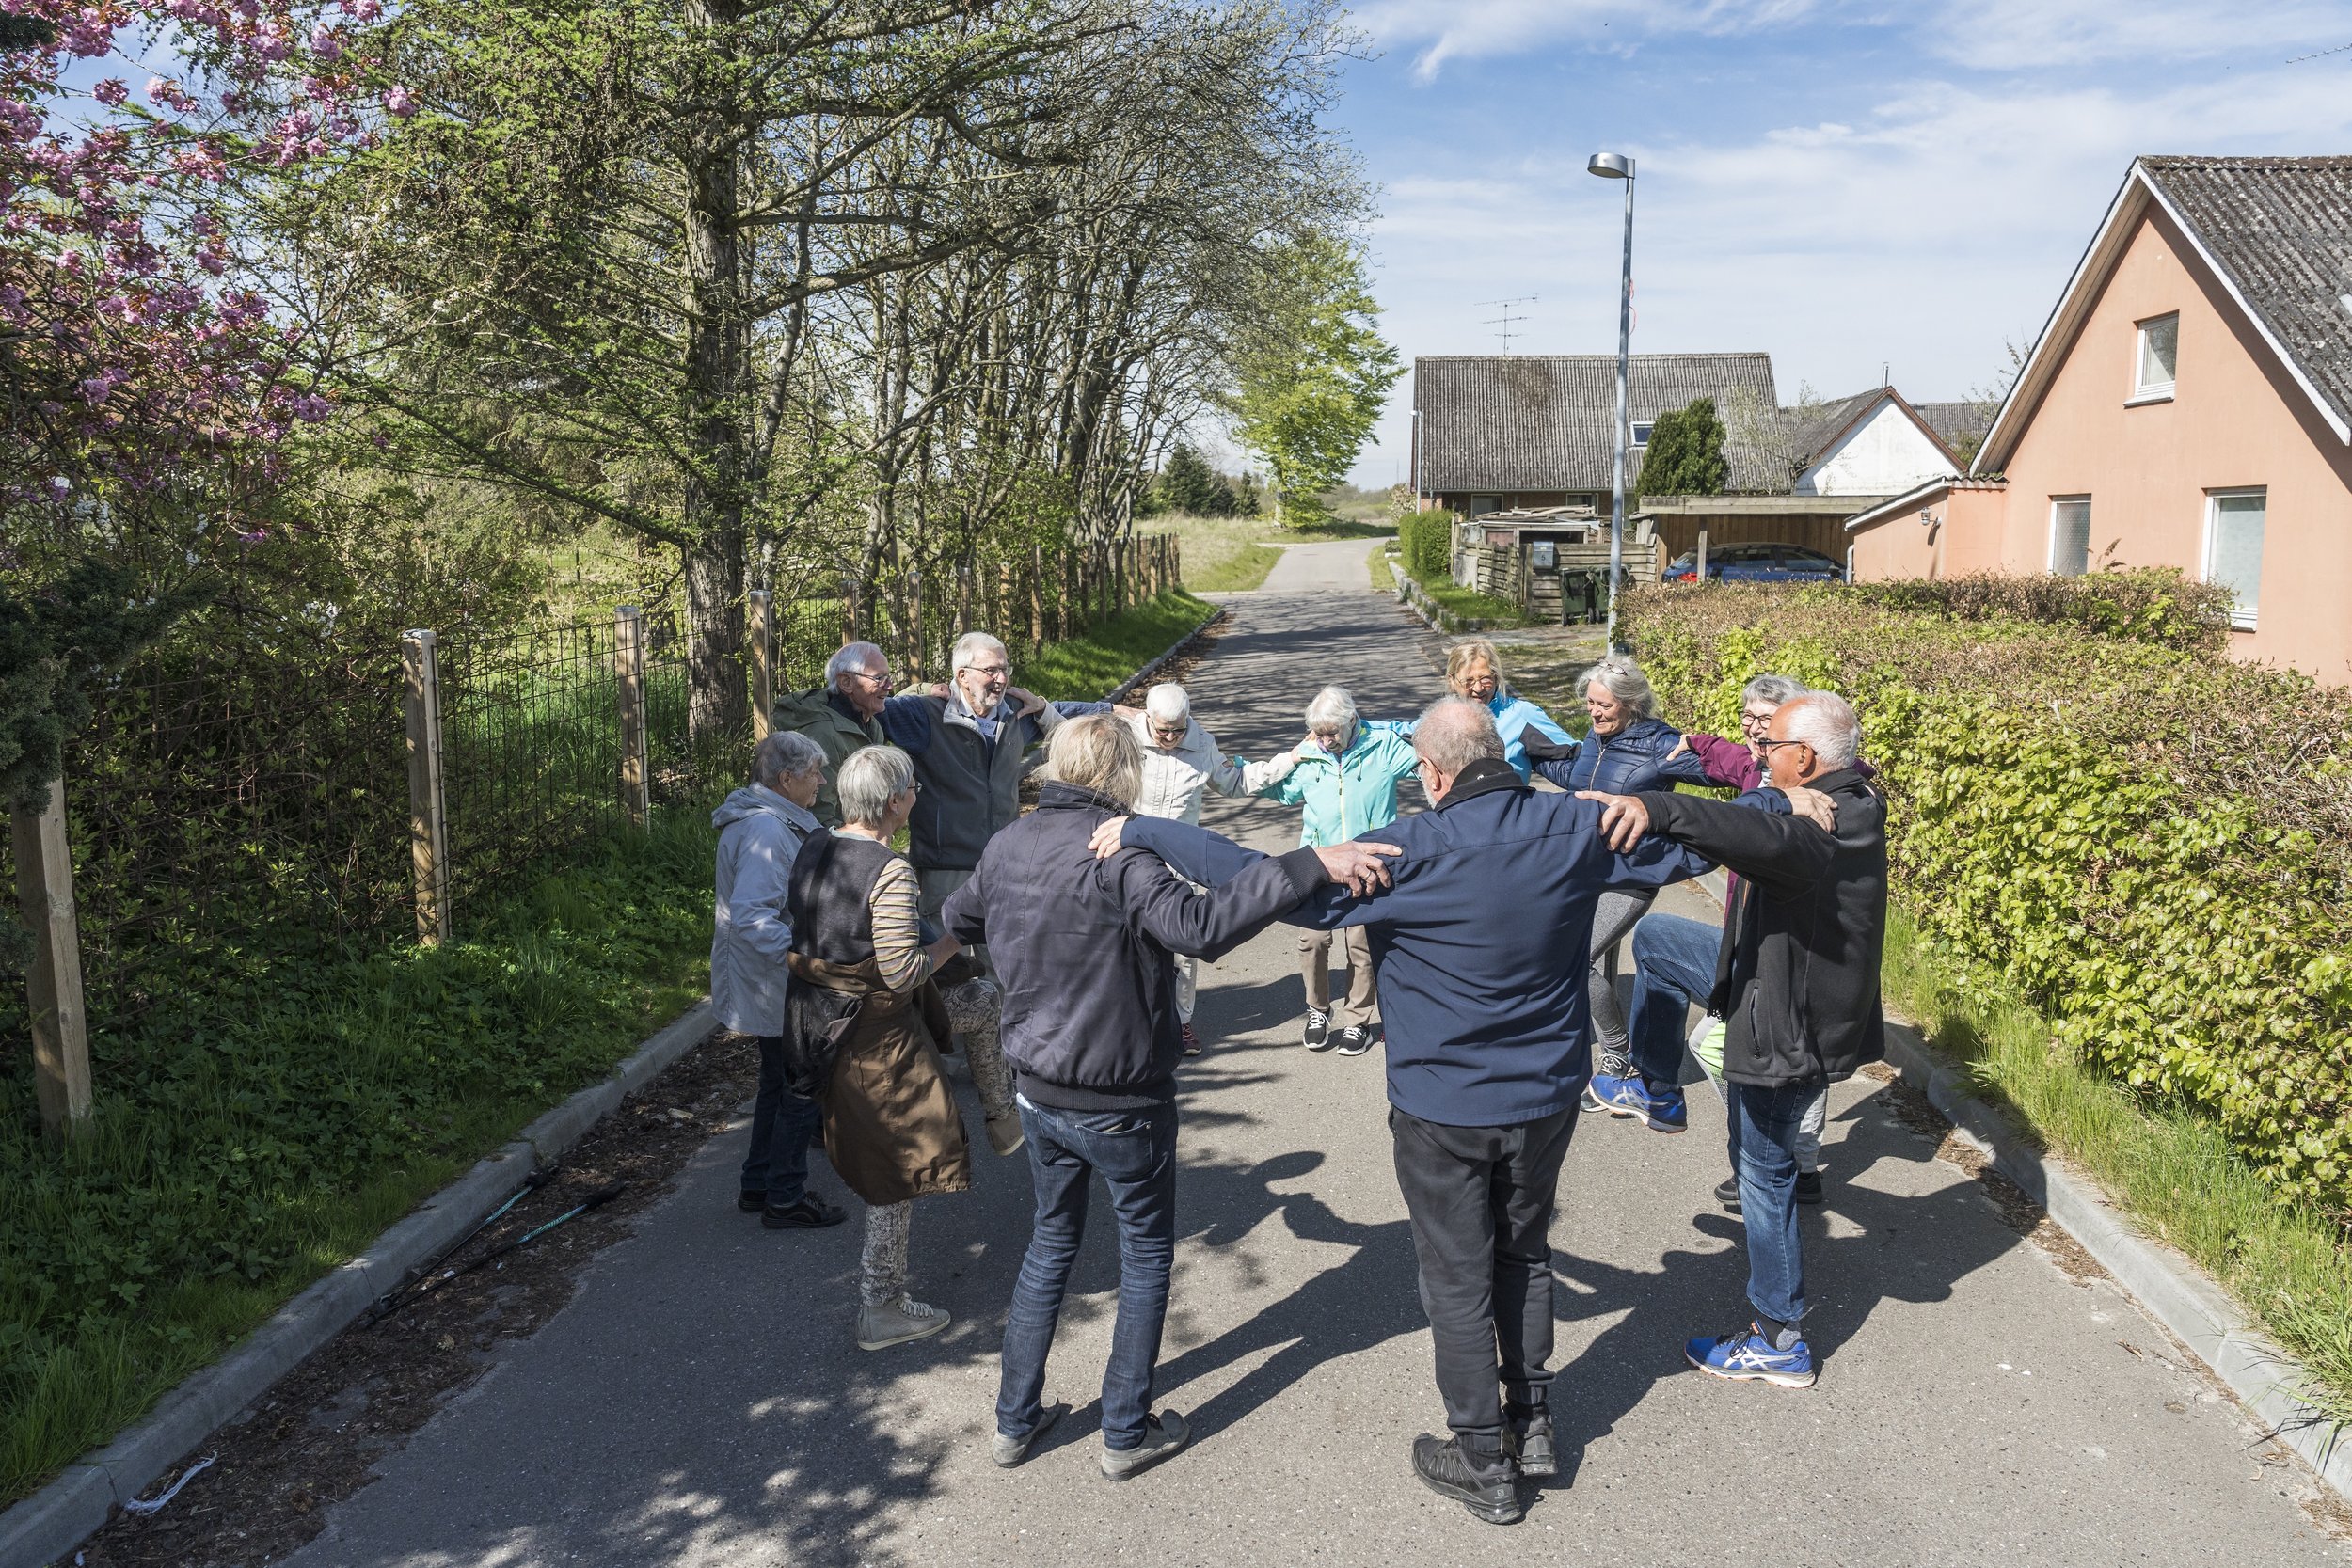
[(1664, 1109), (1750, 1358), (1619, 1097)]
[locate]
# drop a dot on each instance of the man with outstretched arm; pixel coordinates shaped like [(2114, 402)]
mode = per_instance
[(1489, 1047), (1796, 978)]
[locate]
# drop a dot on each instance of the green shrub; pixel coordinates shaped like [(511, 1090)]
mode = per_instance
[(2142, 837), (1425, 539)]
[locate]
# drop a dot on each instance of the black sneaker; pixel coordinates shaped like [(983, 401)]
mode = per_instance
[(1318, 1029), (1192, 1041), (1354, 1041), (1727, 1194), (1527, 1439), (811, 1213), (751, 1201), (1489, 1488), (1808, 1186)]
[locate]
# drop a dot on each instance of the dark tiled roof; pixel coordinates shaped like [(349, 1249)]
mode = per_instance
[(1959, 423), (2280, 230), (1527, 421), (1807, 433)]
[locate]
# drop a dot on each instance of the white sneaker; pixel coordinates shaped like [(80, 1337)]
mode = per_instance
[(880, 1328)]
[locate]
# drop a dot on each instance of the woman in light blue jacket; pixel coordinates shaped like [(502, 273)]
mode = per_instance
[(1345, 776), (760, 828)]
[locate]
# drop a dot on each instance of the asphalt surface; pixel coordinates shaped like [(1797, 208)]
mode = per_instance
[(701, 1401)]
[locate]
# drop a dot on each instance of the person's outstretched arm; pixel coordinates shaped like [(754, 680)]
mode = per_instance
[(1209, 924), (1752, 835)]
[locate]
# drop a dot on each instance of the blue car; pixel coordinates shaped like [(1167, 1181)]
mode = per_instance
[(1757, 563)]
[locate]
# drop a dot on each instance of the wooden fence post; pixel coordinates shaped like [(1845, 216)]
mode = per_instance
[(1036, 595), (428, 811), (629, 670), (1702, 577), (44, 896), (849, 608), (917, 663), (1066, 612), (763, 629)]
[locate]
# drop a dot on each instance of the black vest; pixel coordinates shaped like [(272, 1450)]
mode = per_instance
[(831, 896), (971, 788)]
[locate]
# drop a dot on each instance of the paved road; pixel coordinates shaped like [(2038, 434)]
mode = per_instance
[(702, 1403)]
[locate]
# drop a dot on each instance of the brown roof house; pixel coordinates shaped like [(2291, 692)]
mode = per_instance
[(1508, 433), (2189, 404)]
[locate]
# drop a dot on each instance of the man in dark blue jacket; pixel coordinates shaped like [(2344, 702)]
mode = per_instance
[(1083, 949), (1489, 1047)]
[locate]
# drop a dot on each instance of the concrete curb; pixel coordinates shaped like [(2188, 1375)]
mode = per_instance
[(2175, 1291), (1127, 687), (56, 1519)]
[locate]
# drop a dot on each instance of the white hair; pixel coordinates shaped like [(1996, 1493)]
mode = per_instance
[(1825, 721), (975, 643), (1454, 731), (786, 753), (872, 777), (1333, 712), (1167, 702), (1622, 679), (852, 656), (1774, 690)]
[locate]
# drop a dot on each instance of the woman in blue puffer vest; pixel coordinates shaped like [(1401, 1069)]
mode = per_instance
[(1629, 750)]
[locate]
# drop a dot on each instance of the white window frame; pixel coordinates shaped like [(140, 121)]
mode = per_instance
[(2050, 562), (2153, 391), (1638, 433), (2240, 619)]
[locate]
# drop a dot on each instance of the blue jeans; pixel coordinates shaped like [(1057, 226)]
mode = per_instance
[(782, 1124), (1764, 1127), (1135, 1151), (1674, 961)]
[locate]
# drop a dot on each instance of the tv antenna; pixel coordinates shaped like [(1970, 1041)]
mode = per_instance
[(1505, 320)]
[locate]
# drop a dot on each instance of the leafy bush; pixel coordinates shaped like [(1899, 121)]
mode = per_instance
[(2143, 837), (249, 1137), (1425, 539)]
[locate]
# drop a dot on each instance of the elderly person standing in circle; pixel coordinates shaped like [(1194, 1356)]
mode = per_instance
[(1475, 673), (1346, 775), (865, 1025), (1180, 764), (842, 716), (1629, 750), (761, 828)]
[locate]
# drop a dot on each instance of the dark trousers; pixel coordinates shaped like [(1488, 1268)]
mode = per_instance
[(1479, 1199), (782, 1124), (1134, 1152)]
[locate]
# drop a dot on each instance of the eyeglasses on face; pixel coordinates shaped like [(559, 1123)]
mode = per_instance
[(1768, 745), (987, 668)]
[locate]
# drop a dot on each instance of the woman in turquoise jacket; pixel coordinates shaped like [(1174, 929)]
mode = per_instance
[(1347, 777), (1473, 670)]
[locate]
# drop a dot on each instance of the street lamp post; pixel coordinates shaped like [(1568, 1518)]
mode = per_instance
[(1616, 165)]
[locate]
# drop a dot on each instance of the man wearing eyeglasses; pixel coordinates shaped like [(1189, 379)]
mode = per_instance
[(1180, 765), (842, 716), (971, 747)]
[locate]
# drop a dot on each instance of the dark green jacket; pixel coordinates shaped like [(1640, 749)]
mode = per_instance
[(836, 733)]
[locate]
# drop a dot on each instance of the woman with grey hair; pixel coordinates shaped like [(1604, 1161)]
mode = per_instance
[(1346, 774), (1626, 750), (761, 826), (866, 1023)]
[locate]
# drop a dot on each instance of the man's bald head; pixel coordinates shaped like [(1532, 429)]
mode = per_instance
[(1454, 732)]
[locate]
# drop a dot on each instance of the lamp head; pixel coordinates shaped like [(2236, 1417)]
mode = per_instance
[(1611, 165)]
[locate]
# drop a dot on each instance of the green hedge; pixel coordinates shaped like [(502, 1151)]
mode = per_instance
[(2143, 837), (1425, 539)]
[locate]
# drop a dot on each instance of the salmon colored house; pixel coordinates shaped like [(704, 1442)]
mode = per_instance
[(2188, 404)]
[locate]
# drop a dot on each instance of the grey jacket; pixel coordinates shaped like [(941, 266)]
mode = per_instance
[(759, 833)]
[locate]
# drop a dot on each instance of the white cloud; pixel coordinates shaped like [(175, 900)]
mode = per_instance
[(2007, 35), (1473, 29)]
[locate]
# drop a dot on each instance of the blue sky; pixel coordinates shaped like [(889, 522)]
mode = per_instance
[(1842, 182)]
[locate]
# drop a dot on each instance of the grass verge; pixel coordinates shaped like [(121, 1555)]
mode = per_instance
[(1222, 555), (2171, 1169), (1383, 574), (1084, 668), (1470, 604), (270, 1125)]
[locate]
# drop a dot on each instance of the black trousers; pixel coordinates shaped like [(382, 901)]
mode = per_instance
[(1481, 1199)]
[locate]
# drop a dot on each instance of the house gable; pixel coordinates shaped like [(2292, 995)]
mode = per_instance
[(1885, 448)]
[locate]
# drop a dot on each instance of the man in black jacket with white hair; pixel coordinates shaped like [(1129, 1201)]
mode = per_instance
[(1796, 980)]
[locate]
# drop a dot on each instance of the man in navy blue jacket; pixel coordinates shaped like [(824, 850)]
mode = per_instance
[(1489, 1047)]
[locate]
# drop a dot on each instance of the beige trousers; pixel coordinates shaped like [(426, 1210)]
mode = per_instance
[(1356, 1005)]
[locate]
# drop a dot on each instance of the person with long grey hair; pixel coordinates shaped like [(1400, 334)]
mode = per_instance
[(1627, 749)]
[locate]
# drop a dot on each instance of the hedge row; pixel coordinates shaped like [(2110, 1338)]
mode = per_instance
[(2146, 838), (1425, 539)]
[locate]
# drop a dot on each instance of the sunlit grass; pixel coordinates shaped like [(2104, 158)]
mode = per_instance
[(2171, 1169)]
